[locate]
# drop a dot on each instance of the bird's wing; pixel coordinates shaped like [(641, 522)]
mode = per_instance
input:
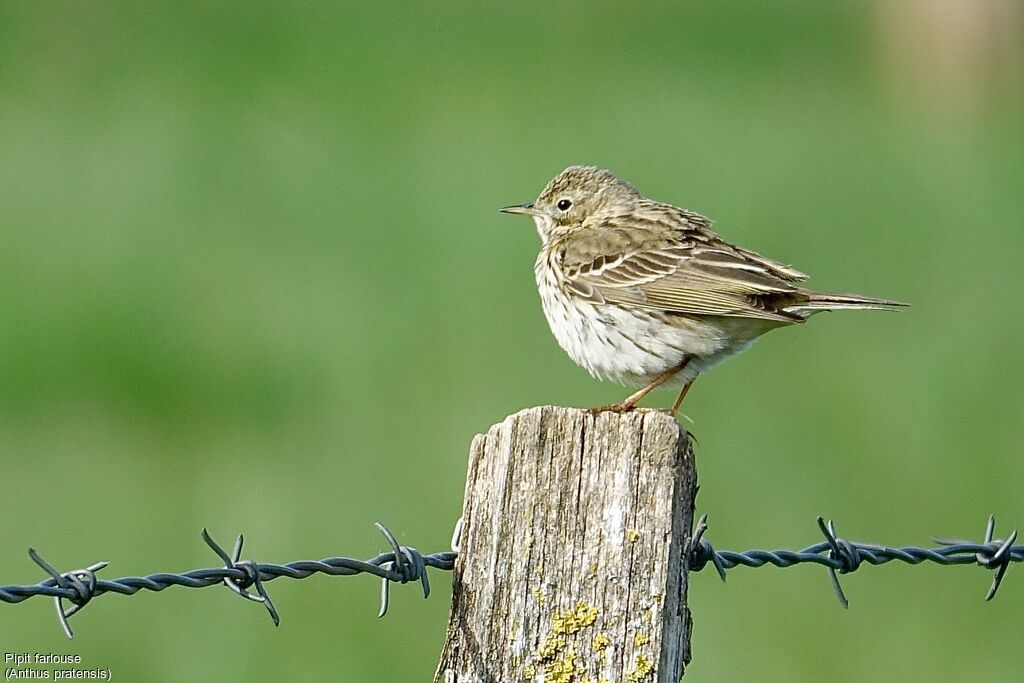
[(681, 267)]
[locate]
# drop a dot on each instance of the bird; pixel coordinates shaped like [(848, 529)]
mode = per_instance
[(645, 293)]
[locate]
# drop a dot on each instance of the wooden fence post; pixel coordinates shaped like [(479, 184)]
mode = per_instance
[(574, 551)]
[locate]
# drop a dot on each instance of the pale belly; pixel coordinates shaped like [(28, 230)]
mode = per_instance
[(631, 346)]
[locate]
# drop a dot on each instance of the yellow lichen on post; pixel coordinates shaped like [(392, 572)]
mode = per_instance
[(642, 669), (556, 657), (550, 647), (571, 621), (562, 669)]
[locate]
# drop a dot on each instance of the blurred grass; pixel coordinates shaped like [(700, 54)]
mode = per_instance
[(252, 278)]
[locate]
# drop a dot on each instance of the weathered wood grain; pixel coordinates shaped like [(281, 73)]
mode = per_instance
[(574, 551)]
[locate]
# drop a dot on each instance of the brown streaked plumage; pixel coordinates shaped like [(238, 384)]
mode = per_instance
[(645, 293)]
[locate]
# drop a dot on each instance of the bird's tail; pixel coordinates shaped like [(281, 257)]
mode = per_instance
[(815, 302)]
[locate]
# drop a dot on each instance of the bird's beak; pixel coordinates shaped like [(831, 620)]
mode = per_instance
[(522, 209)]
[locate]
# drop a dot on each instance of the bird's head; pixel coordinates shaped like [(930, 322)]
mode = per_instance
[(575, 195)]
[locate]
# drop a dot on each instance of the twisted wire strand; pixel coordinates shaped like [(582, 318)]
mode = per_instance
[(402, 565), (201, 578), (841, 556)]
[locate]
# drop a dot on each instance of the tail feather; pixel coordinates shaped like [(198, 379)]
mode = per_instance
[(825, 301)]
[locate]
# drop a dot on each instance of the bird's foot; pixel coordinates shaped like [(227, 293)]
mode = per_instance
[(620, 407)]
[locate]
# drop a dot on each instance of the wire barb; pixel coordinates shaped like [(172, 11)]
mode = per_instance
[(80, 582), (701, 550), (994, 554), (250, 575), (842, 552), (408, 564)]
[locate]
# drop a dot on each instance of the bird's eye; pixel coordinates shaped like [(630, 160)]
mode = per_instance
[(564, 204)]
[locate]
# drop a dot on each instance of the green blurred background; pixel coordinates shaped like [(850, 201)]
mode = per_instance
[(253, 277)]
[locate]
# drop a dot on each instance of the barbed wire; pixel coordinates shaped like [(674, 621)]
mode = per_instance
[(405, 564), (842, 556), (402, 565)]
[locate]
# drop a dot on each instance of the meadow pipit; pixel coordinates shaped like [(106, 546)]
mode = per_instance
[(644, 293)]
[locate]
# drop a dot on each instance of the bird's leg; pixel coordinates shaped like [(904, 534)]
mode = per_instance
[(627, 404), (630, 401), (680, 397)]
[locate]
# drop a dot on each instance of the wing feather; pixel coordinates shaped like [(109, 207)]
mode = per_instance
[(687, 269)]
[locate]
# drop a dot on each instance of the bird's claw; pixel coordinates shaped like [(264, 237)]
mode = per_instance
[(620, 407)]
